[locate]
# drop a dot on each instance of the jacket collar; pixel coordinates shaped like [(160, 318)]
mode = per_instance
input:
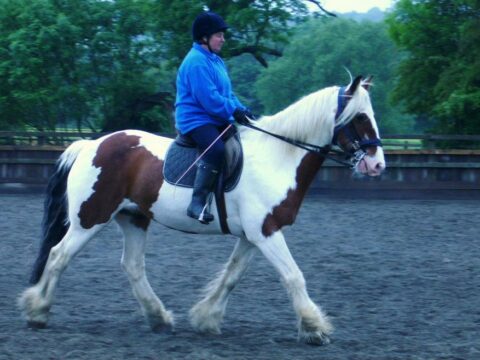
[(207, 53)]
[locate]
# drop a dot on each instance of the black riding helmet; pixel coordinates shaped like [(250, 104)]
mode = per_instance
[(207, 24)]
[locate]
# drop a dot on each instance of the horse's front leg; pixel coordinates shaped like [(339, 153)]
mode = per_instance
[(314, 326), (207, 314)]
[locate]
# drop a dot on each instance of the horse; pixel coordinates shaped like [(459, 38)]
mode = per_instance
[(119, 177)]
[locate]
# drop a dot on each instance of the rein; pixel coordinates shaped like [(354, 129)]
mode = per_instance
[(319, 150)]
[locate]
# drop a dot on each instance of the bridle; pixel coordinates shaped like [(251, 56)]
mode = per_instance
[(356, 143)]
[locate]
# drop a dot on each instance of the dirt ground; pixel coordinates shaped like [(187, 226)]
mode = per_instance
[(398, 275)]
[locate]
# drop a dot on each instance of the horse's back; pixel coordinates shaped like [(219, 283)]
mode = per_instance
[(125, 139)]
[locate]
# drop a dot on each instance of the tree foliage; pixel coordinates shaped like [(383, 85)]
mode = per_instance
[(319, 54), (440, 75), (244, 71), (73, 61), (92, 62), (111, 65), (257, 27)]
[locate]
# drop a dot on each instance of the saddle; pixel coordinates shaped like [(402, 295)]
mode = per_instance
[(182, 153)]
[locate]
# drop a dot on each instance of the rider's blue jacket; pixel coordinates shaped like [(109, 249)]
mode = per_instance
[(204, 91)]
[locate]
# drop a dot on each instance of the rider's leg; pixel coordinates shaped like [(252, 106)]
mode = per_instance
[(207, 170)]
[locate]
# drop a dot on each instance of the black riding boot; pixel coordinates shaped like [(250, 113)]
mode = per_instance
[(202, 187)]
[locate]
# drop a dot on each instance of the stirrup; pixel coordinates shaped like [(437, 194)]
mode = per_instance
[(204, 220), (204, 217)]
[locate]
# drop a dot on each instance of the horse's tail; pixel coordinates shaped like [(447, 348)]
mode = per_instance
[(55, 220)]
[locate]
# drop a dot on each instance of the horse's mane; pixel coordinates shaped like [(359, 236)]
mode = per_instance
[(312, 118)]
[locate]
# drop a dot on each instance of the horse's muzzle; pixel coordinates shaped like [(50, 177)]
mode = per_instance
[(371, 165)]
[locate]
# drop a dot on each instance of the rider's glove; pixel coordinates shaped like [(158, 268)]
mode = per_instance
[(250, 115), (241, 116)]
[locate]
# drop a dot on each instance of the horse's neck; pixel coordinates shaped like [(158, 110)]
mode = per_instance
[(311, 120), (284, 213), (292, 169), (307, 170)]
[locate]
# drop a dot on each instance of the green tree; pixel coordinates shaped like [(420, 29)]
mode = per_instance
[(244, 71), (440, 73), (107, 64), (317, 56), (31, 62), (257, 27), (77, 62)]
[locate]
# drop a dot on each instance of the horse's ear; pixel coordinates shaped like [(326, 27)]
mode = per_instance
[(367, 82), (353, 87)]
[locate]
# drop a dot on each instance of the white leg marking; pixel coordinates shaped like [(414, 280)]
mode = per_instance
[(133, 262), (313, 324), (37, 300), (207, 314)]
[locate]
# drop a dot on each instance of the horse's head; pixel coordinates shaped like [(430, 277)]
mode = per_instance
[(357, 133)]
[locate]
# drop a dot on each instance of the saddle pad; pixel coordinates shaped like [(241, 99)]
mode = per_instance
[(179, 158)]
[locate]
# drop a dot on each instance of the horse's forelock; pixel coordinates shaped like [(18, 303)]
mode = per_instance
[(359, 102)]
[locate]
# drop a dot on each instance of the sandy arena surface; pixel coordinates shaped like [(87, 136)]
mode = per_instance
[(399, 276)]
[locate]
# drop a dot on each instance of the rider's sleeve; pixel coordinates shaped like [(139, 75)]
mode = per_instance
[(237, 102), (205, 91)]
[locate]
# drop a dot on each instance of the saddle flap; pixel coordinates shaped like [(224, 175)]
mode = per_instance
[(178, 169)]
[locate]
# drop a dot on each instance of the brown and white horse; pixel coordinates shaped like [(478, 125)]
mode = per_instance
[(119, 177)]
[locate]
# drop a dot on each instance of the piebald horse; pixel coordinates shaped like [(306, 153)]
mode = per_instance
[(119, 177)]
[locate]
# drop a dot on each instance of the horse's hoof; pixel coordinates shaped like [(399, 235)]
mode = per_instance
[(316, 339), (162, 328), (36, 324), (208, 330), (161, 322)]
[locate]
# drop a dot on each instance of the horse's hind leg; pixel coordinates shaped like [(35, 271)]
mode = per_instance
[(314, 326), (133, 262), (207, 314), (37, 299)]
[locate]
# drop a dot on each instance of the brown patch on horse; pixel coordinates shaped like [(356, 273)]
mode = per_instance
[(286, 212), (364, 128), (127, 171), (141, 221)]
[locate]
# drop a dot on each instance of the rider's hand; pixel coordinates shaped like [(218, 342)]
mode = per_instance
[(250, 115), (241, 116)]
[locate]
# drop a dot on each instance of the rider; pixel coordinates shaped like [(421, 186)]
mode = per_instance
[(205, 105)]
